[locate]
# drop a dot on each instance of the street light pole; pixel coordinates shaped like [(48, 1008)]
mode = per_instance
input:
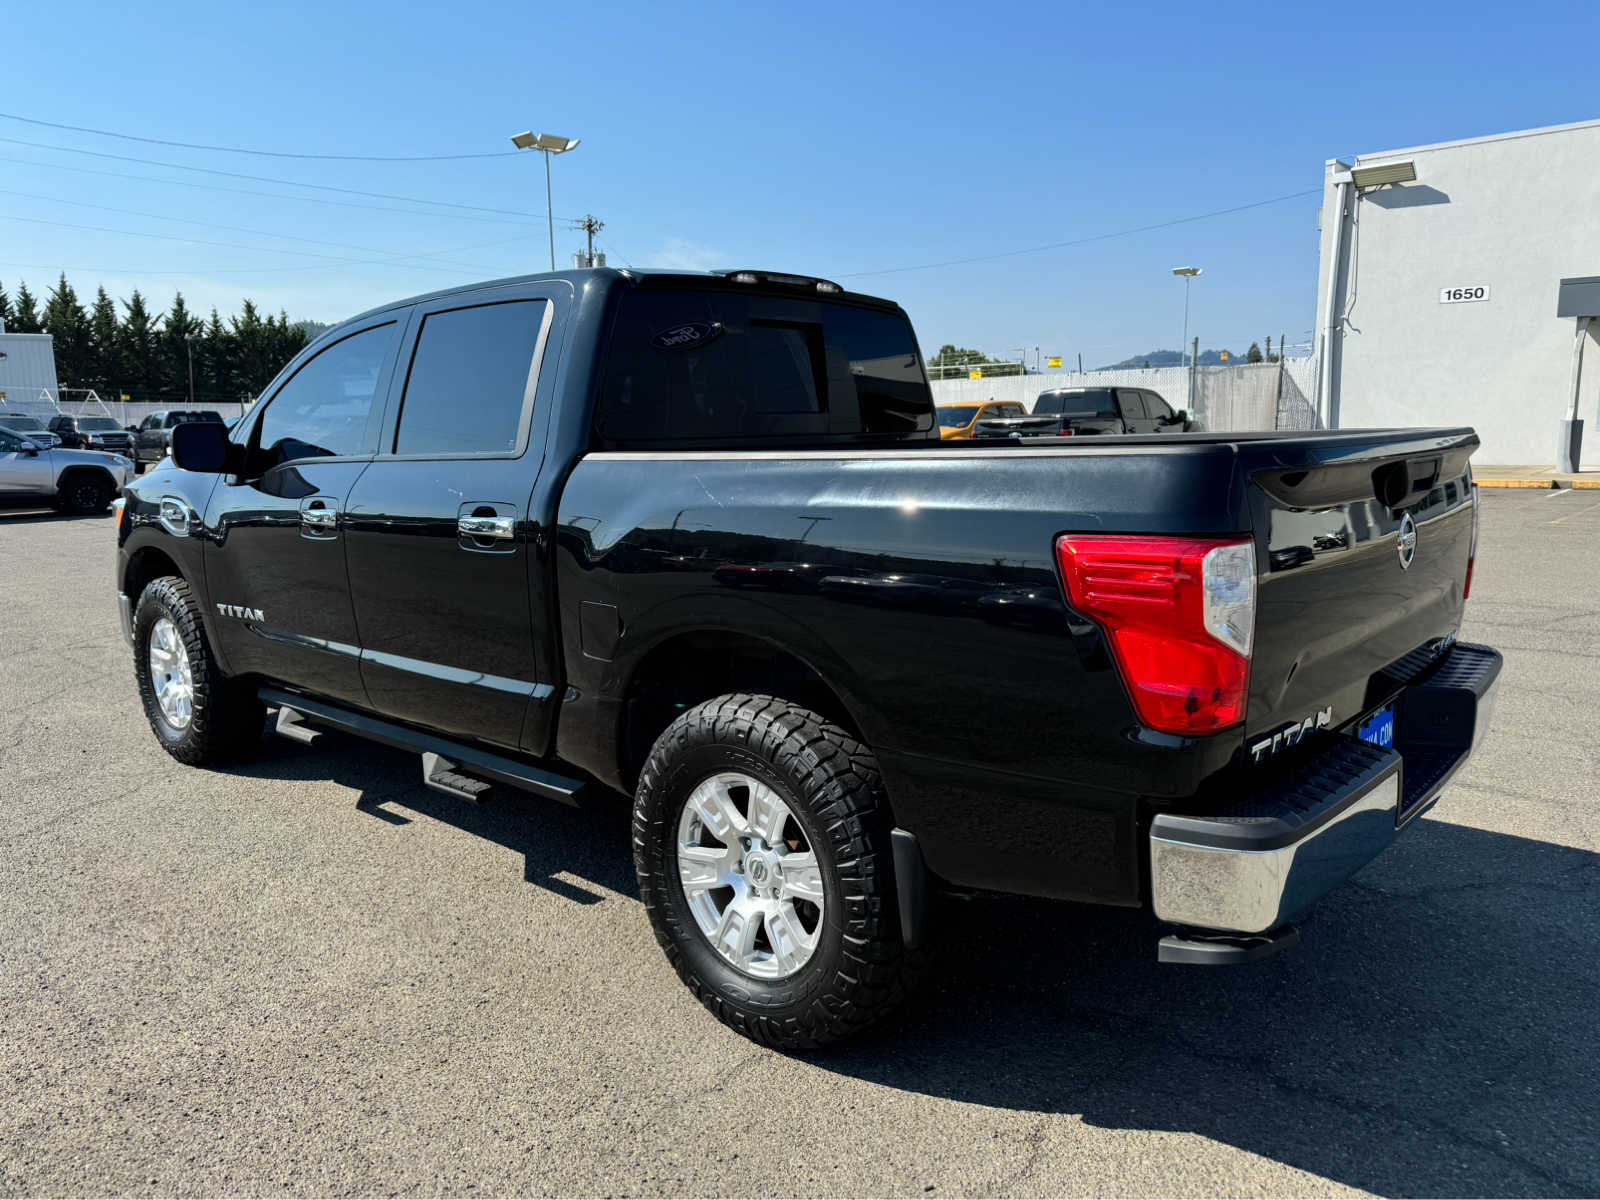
[(547, 144), (549, 211), (1188, 274)]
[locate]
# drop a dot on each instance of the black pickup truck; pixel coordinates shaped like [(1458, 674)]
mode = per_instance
[(694, 539)]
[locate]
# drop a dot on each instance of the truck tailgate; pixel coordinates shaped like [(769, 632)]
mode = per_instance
[(1362, 558)]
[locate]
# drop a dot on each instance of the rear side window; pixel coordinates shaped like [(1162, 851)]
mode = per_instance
[(726, 367), (326, 408), (472, 380)]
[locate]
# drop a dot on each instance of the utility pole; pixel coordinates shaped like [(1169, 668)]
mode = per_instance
[(1278, 405), (1194, 361), (591, 225)]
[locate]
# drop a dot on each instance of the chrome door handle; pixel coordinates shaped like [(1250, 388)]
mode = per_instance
[(499, 528), (319, 518)]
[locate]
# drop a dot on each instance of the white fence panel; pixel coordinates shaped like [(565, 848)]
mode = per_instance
[(1239, 397)]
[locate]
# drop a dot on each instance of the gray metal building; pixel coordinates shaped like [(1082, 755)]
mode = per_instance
[(27, 372), (1439, 285)]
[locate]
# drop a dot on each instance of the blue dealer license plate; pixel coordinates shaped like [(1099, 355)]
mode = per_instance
[(1379, 728)]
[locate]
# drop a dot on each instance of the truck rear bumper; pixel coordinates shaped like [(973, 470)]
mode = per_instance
[(1264, 861)]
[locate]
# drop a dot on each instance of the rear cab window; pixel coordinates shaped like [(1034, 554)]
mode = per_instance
[(730, 367), (1079, 401)]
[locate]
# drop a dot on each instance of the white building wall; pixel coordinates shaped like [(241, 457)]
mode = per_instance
[(29, 367), (1515, 213)]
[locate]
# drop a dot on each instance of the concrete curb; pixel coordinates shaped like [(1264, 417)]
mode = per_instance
[(1542, 484)]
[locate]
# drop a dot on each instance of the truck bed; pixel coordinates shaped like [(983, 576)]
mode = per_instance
[(920, 581)]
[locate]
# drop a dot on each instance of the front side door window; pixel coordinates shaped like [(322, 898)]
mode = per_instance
[(326, 409), (1160, 411)]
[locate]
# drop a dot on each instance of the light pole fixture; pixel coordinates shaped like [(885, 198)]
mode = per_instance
[(1188, 274), (547, 144), (1404, 171)]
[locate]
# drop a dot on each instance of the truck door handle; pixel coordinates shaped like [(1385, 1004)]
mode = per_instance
[(499, 528), (319, 517)]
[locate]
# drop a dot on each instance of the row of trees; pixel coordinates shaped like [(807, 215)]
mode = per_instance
[(146, 355), (956, 360)]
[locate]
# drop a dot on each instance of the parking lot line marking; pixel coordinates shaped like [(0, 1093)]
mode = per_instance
[(1579, 513), (1560, 492)]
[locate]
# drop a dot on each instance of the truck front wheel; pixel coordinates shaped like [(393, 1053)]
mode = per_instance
[(199, 715), (762, 848)]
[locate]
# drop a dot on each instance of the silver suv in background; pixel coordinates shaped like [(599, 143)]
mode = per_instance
[(31, 428), (75, 481)]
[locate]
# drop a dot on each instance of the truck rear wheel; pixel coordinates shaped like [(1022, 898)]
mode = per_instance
[(762, 848), (199, 715)]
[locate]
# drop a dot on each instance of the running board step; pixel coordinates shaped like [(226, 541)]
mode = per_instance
[(291, 724), (442, 775), (458, 761)]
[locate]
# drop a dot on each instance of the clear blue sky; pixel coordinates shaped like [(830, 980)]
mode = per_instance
[(842, 140)]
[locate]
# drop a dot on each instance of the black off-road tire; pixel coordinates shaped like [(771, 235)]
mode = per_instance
[(227, 718), (84, 492), (860, 969)]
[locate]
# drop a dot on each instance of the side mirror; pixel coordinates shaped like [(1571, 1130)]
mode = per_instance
[(200, 446), (1181, 417), (30, 450)]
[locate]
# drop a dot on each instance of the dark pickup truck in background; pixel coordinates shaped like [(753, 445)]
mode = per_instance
[(1108, 410), (695, 538), (153, 437)]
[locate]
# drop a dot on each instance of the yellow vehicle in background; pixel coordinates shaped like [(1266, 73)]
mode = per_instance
[(956, 421)]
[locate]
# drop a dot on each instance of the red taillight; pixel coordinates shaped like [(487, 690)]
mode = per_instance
[(1179, 614), (1472, 552)]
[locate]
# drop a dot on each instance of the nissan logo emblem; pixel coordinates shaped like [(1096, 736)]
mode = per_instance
[(1406, 543)]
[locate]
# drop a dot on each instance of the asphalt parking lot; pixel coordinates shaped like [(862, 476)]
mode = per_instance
[(310, 975)]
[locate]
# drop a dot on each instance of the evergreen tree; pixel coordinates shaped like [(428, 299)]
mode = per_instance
[(105, 369), (136, 348), (27, 312), (174, 349), (6, 315), (215, 366), (68, 325), (1255, 353)]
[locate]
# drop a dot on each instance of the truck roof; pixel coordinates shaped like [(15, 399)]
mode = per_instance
[(613, 276)]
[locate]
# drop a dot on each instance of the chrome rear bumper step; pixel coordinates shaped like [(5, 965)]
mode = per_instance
[(1261, 863)]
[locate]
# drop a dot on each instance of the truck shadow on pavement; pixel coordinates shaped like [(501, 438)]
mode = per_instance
[(591, 843), (1434, 1033)]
